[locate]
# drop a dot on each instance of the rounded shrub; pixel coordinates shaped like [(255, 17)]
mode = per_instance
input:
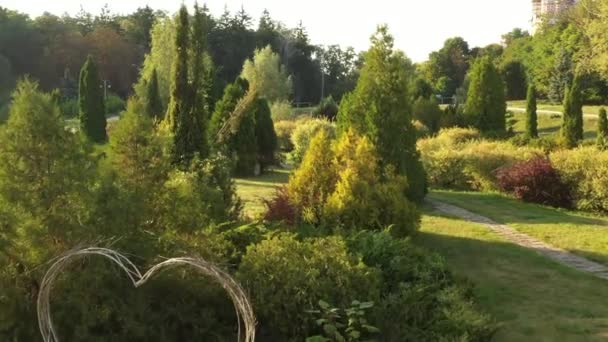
[(535, 181), (304, 133), (287, 277), (585, 169), (284, 129)]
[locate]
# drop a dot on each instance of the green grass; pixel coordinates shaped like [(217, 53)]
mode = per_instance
[(579, 233), (533, 298), (254, 190), (551, 124), (542, 105)]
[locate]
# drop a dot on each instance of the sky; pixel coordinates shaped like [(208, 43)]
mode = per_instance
[(419, 27)]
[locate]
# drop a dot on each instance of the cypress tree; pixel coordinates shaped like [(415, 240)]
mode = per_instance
[(91, 103), (199, 107), (379, 108), (531, 116), (576, 106), (602, 130), (486, 103), (180, 106), (265, 133), (232, 94), (568, 130), (154, 105)]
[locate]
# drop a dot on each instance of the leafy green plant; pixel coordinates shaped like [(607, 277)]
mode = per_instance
[(343, 325)]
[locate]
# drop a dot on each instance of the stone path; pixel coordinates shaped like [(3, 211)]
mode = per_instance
[(509, 233)]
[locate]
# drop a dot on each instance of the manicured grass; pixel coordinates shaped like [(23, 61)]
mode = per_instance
[(579, 233), (532, 297), (254, 190), (542, 105), (551, 124)]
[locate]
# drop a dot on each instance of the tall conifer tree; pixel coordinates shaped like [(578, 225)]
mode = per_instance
[(91, 105), (531, 115), (154, 105)]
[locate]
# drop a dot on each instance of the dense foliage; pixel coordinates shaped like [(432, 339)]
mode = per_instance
[(535, 181), (91, 106), (531, 115), (486, 105), (379, 109)]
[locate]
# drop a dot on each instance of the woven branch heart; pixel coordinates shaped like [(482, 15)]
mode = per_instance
[(241, 303)]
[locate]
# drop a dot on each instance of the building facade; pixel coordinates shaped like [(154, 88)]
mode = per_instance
[(548, 10)]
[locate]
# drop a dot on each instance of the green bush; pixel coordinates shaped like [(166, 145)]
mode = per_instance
[(114, 104), (328, 108), (69, 108), (286, 277), (281, 110), (456, 159), (284, 130), (586, 170), (421, 299), (361, 198), (304, 133), (427, 111)]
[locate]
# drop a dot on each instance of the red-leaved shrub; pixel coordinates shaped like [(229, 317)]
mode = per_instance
[(279, 208), (535, 181)]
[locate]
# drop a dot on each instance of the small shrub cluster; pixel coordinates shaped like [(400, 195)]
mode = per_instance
[(281, 110), (342, 185), (585, 170), (303, 134), (458, 159), (279, 208), (284, 130), (328, 108), (535, 181)]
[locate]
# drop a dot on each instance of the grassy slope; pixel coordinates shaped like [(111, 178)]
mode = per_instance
[(581, 234), (254, 190), (552, 107), (532, 297)]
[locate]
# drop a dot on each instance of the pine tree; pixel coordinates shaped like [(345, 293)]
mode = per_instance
[(265, 133), (379, 109), (154, 105), (531, 116), (602, 130), (486, 104), (179, 116), (91, 103), (561, 77)]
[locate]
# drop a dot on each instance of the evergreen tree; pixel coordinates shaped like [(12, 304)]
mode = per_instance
[(244, 145), (561, 77), (602, 130), (576, 106), (265, 133), (199, 78), (531, 116), (568, 130), (154, 105), (91, 103), (232, 94), (379, 109), (180, 118), (486, 105)]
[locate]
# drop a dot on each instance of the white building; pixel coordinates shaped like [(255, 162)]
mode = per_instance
[(548, 10)]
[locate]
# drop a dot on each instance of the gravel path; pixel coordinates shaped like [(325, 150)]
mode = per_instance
[(509, 233)]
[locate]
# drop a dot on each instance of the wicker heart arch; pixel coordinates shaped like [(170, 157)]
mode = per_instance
[(242, 306)]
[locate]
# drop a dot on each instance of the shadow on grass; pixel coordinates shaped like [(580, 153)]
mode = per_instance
[(533, 297), (503, 209)]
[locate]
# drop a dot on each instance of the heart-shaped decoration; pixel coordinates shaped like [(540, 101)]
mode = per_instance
[(242, 306)]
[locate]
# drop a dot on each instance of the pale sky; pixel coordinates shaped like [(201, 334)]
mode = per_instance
[(419, 26)]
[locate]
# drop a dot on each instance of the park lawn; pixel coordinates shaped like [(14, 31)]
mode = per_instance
[(253, 190), (579, 233), (530, 296), (543, 105), (550, 125)]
